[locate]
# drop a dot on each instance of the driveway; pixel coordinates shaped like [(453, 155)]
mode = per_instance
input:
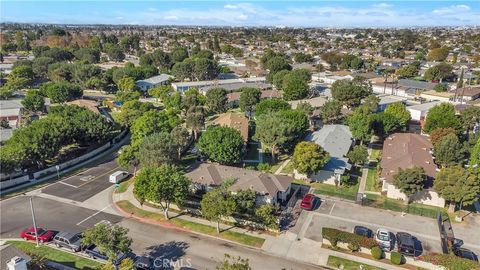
[(346, 215)]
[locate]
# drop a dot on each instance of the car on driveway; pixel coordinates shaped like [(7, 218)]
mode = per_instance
[(44, 235), (405, 244), (465, 253), (143, 263), (68, 240), (307, 202), (363, 231), (383, 238)]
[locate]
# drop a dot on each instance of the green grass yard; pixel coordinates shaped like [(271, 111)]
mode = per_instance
[(347, 192), (399, 206), (197, 227), (58, 256), (338, 262), (372, 179)]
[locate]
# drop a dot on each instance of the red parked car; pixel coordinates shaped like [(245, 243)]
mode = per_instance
[(307, 202), (43, 234)]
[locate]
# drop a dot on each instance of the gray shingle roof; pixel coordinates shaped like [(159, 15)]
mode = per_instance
[(335, 139)]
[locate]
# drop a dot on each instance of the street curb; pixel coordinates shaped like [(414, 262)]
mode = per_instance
[(169, 225)]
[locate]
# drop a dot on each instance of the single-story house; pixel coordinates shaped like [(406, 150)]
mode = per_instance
[(466, 94), (91, 105), (329, 78), (386, 100), (336, 140), (13, 258), (162, 79), (419, 112), (206, 85), (432, 95), (403, 88), (404, 151), (234, 120), (269, 188), (12, 111), (234, 97)]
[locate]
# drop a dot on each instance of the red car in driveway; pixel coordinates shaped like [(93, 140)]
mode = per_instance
[(43, 234), (307, 202)]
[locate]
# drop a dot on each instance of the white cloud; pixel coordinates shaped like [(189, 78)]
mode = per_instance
[(171, 17), (382, 5), (228, 6), (242, 17), (152, 9), (454, 9)]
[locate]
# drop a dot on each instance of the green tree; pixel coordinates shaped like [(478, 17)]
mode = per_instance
[(179, 54), (438, 72), (232, 263), (249, 97), (195, 119), (400, 112), (409, 181), (302, 57), (128, 157), (385, 123), (40, 66), (61, 92), (127, 84), (6, 92), (33, 101), (109, 239), (440, 87), (474, 161), (151, 122), (217, 204), (441, 116), (408, 71), (438, 134), (331, 111), (161, 92), (361, 124), (221, 144), (277, 79), (449, 151), (131, 110), (162, 185), (271, 105), (114, 52), (245, 200), (181, 137), (457, 185), (352, 92), (469, 118), (265, 215), (438, 54), (217, 100), (294, 87), (157, 149), (309, 157), (358, 155)]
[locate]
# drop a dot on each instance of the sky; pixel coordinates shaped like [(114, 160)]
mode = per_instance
[(253, 13)]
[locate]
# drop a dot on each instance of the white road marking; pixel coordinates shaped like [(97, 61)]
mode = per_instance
[(67, 184), (94, 214), (331, 210)]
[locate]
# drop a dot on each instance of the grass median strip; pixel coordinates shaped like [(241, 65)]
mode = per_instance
[(55, 255), (197, 227), (124, 185), (338, 262)]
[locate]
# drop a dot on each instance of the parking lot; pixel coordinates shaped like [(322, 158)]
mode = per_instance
[(345, 216), (85, 184)]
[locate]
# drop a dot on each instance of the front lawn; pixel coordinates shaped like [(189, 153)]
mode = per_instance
[(372, 180), (58, 256), (346, 192), (197, 227), (338, 262), (124, 185), (375, 154), (399, 206)]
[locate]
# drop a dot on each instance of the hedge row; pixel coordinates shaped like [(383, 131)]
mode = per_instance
[(354, 241), (451, 262)]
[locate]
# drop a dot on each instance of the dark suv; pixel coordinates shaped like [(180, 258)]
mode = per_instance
[(93, 252), (466, 254), (67, 240), (406, 244)]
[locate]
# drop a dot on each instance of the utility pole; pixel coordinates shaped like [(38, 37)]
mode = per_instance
[(34, 222)]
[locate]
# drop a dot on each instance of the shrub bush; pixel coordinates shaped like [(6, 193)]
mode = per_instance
[(396, 258), (376, 253), (450, 261), (354, 241)]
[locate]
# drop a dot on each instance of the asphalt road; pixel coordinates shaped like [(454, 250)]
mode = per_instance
[(80, 201)]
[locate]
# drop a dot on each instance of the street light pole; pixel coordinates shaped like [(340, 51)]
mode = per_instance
[(34, 222)]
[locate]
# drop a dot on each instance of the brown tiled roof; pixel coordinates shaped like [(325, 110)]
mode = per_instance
[(467, 91), (234, 120), (271, 94), (406, 150), (86, 103), (262, 183)]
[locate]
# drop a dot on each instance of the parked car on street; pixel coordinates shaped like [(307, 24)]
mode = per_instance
[(68, 240), (363, 231), (93, 252), (405, 244), (384, 239), (466, 254), (44, 235), (307, 202), (118, 177)]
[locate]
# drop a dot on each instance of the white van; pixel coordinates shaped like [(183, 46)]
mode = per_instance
[(118, 176)]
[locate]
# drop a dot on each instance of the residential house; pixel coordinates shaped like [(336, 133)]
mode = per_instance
[(336, 140), (419, 112), (331, 77), (404, 88), (152, 82), (234, 120), (91, 105), (466, 94), (273, 189), (12, 111), (230, 84), (13, 258), (404, 151), (432, 95), (234, 97), (386, 100)]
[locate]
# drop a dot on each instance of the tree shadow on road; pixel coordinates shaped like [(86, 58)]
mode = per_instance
[(172, 250)]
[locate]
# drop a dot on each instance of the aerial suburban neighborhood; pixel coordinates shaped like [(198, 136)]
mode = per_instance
[(239, 135)]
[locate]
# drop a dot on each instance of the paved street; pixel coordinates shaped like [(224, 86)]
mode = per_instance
[(345, 215), (80, 201)]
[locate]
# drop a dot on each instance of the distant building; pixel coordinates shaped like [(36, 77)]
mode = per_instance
[(12, 111), (152, 82), (229, 84)]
